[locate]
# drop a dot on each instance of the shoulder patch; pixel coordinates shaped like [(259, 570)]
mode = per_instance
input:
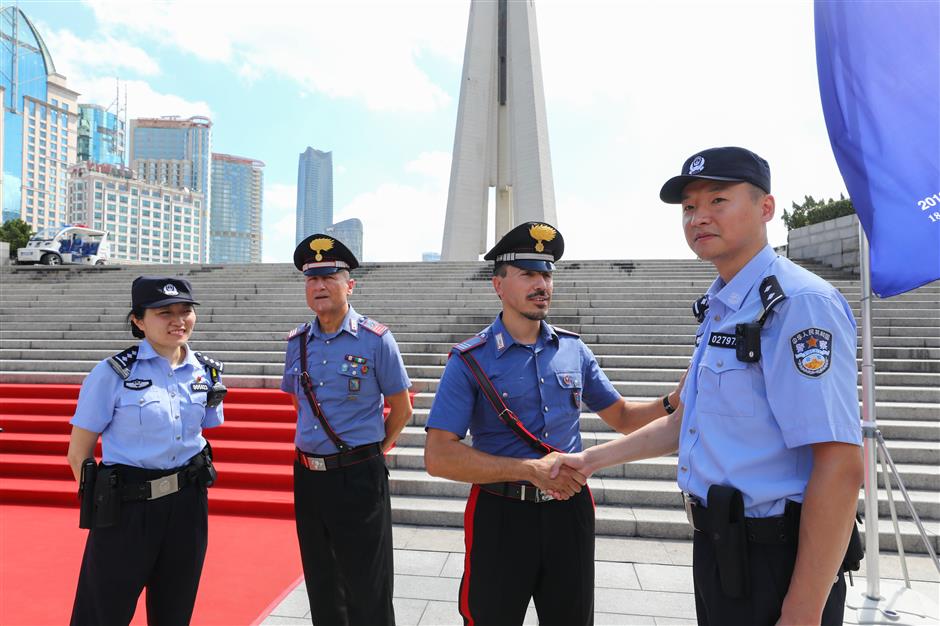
[(812, 351), (209, 362), (122, 361), (297, 331), (469, 344), (564, 331), (373, 326)]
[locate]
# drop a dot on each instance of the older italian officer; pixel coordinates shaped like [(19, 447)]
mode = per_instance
[(338, 368)]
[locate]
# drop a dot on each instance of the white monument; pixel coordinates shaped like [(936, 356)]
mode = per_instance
[(502, 136)]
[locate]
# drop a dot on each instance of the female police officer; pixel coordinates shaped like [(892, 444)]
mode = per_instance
[(148, 514)]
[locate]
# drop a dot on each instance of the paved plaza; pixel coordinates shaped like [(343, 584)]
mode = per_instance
[(637, 581)]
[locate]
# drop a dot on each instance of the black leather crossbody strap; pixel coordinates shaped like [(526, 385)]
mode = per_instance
[(504, 412), (307, 385)]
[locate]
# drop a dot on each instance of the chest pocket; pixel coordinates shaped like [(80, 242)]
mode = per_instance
[(139, 411), (725, 385), (571, 385)]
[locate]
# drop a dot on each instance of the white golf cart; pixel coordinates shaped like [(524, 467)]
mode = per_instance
[(69, 245)]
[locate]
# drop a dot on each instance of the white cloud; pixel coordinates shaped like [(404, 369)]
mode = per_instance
[(100, 55), (278, 222), (435, 165), (369, 52), (93, 66)]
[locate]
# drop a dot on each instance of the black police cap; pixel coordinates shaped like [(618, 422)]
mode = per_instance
[(530, 246), (149, 292), (731, 164), (319, 255)]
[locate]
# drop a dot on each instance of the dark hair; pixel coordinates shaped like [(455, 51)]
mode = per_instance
[(138, 312), (500, 270)]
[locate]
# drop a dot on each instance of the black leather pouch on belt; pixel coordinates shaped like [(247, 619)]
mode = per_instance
[(729, 537), (201, 470), (107, 498), (86, 493)]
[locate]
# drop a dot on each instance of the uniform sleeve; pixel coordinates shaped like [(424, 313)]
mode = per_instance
[(213, 417), (96, 399), (287, 380), (599, 392), (455, 399), (390, 371), (810, 371)]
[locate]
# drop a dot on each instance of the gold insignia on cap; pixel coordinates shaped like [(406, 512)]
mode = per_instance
[(320, 245), (541, 232)]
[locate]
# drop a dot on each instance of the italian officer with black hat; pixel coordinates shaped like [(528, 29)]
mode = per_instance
[(518, 386), (145, 503), (338, 368)]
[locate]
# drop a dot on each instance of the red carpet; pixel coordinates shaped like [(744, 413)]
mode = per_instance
[(250, 564)]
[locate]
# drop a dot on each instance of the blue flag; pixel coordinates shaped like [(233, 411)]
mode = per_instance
[(879, 78)]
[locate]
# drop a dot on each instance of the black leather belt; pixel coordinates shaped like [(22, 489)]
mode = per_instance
[(321, 463), (767, 530), (517, 491)]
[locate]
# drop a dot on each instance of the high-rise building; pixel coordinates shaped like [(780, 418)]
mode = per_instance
[(235, 224), (176, 153), (314, 193), (350, 233), (147, 223), (38, 126), (100, 135)]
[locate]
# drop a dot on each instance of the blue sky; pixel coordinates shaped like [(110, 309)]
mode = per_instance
[(632, 89)]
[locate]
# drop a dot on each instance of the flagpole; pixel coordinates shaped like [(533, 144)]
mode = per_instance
[(869, 427)]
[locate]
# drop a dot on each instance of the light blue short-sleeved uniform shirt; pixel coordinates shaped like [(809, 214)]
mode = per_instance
[(352, 370), (544, 385), (154, 418), (750, 425)]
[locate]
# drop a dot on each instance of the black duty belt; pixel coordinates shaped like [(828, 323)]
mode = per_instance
[(517, 491), (767, 530), (321, 463)]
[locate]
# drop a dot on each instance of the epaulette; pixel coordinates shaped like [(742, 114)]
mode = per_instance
[(303, 328), (373, 326), (122, 361), (469, 344), (209, 362), (563, 331), (700, 308)]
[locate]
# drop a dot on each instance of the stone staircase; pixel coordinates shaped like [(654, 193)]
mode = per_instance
[(56, 323)]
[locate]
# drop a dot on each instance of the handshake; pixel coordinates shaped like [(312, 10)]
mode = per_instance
[(560, 475)]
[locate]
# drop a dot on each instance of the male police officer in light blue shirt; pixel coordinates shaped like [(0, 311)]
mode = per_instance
[(522, 543), (338, 368), (768, 433)]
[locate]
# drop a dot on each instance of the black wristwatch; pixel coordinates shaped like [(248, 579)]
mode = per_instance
[(666, 405)]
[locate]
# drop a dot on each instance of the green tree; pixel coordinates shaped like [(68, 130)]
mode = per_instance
[(815, 211), (16, 232)]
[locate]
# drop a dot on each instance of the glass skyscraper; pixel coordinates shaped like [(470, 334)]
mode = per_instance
[(177, 153), (235, 224), (100, 135), (314, 193), (37, 128), (350, 233)]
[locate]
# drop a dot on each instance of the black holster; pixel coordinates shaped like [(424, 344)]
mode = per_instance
[(729, 536), (855, 551), (86, 493), (200, 469), (107, 503)]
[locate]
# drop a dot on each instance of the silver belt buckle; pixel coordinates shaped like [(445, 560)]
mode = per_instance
[(543, 497), (164, 486), (315, 463), (689, 502), (522, 492)]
